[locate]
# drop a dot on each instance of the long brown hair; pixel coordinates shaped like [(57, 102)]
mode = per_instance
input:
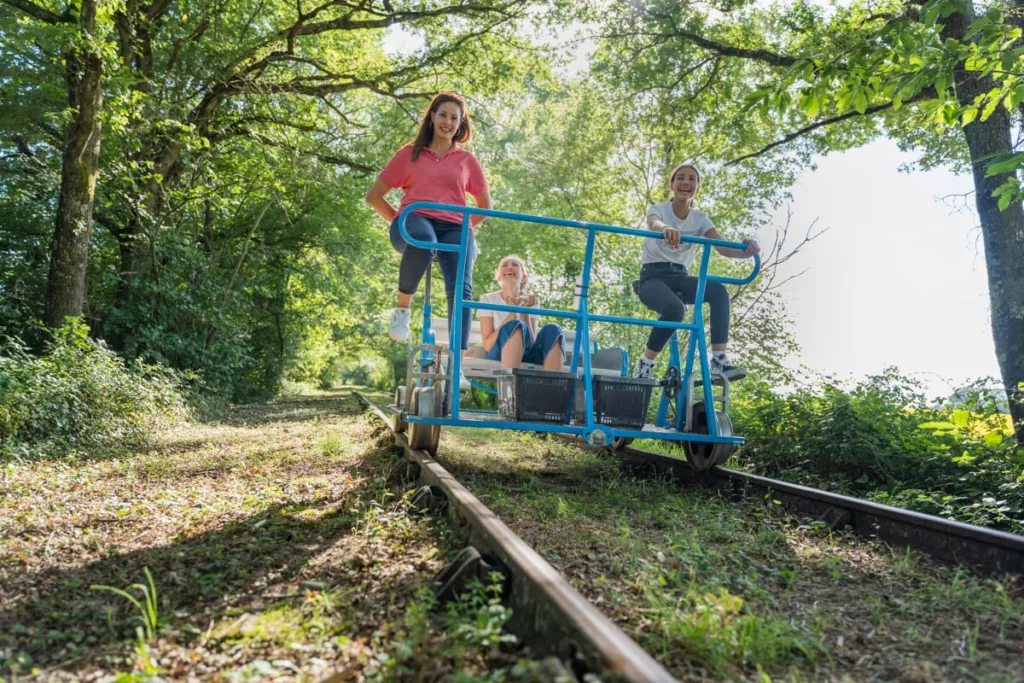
[(426, 133)]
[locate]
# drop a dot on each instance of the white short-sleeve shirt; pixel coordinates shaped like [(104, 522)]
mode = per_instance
[(656, 249), (500, 317)]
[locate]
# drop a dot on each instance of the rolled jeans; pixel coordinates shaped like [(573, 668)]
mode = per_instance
[(416, 261), (666, 287), (534, 350)]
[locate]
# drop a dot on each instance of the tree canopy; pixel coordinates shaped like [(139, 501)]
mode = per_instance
[(221, 226)]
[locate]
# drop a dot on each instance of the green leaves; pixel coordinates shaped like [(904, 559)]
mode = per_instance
[(1005, 164), (933, 10), (881, 438), (79, 398)]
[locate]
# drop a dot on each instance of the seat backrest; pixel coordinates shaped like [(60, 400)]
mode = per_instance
[(440, 327)]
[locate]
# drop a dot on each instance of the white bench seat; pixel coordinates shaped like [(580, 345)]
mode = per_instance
[(610, 362)]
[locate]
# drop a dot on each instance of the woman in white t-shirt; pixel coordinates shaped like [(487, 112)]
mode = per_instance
[(513, 338), (665, 286)]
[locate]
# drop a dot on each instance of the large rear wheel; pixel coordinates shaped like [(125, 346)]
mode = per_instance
[(703, 455)]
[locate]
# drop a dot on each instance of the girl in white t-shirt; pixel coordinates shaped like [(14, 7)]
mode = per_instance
[(513, 338), (665, 286)]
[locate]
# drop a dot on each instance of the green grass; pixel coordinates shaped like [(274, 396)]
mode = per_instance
[(735, 591), (277, 548)]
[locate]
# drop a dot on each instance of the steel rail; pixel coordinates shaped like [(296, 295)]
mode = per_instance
[(548, 614), (944, 539)]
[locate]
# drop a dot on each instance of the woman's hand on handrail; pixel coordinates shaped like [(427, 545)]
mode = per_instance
[(527, 300), (671, 235), (750, 247)]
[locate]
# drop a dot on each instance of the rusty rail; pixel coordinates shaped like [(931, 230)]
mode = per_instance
[(944, 539), (548, 614)]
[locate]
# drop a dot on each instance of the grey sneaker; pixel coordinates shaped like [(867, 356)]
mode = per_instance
[(730, 372), (643, 370)]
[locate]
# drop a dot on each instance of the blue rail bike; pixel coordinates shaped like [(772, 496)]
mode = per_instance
[(690, 411)]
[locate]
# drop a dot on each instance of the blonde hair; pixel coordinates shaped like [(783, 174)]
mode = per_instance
[(522, 266)]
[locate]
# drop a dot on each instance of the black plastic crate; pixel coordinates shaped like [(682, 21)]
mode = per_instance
[(618, 401), (534, 395)]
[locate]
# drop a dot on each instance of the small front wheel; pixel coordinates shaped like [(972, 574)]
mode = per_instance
[(620, 443), (423, 437), (400, 424), (426, 437)]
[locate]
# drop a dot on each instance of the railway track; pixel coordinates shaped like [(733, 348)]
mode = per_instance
[(549, 615), (944, 539), (553, 619)]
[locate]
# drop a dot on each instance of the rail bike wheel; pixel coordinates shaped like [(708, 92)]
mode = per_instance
[(701, 455), (400, 424), (424, 437), (620, 442)]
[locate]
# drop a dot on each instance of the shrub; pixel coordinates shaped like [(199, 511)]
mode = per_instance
[(80, 398), (881, 440)]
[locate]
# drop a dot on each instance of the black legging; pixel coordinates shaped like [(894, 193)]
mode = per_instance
[(665, 287)]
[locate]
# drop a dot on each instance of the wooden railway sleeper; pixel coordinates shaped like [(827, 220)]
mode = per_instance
[(468, 565), (429, 499), (406, 472)]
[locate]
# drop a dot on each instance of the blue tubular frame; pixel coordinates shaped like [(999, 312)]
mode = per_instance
[(697, 343)]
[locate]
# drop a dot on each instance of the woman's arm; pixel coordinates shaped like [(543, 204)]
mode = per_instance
[(488, 334), (670, 233), (531, 320), (377, 198), (483, 201), (752, 246)]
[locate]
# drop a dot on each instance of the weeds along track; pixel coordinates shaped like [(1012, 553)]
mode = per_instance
[(272, 543), (548, 614), (943, 539), (719, 586)]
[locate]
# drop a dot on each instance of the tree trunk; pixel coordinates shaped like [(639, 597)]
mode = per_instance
[(65, 291), (1002, 231)]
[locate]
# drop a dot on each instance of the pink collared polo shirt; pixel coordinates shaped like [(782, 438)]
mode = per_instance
[(433, 179)]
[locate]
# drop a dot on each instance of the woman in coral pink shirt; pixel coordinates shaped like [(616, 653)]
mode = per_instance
[(433, 168)]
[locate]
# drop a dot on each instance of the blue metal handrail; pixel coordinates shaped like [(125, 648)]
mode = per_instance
[(583, 316), (582, 225)]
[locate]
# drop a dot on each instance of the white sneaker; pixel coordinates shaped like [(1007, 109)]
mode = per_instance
[(732, 373), (399, 327), (643, 370)]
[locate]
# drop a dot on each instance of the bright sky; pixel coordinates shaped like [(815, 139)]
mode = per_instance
[(899, 278)]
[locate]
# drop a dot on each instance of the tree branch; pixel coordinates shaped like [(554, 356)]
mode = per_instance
[(157, 9), (346, 23), (813, 126), (760, 55), (333, 159), (41, 13), (195, 35)]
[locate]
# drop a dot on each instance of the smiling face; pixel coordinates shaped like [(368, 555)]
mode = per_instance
[(685, 183), (446, 119), (512, 270)]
